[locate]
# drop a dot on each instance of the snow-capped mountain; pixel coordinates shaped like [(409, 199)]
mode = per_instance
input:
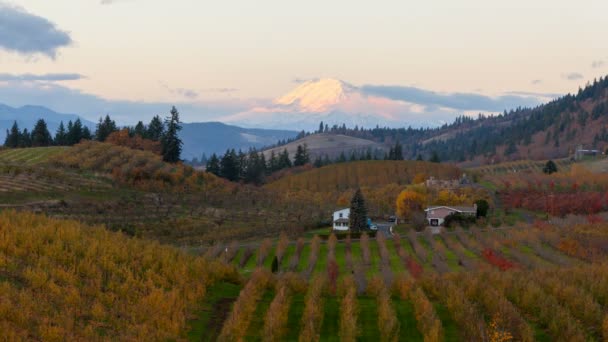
[(333, 102)]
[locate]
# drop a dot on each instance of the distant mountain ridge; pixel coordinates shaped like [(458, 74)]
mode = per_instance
[(26, 117), (217, 137)]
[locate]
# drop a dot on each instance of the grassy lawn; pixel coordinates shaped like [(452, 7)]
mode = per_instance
[(407, 321), (295, 315), (215, 308), (304, 258), (330, 328), (256, 326), (368, 319), (450, 257), (397, 265), (450, 329), (320, 231), (287, 257)]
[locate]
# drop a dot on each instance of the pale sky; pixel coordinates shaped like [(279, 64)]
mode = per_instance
[(211, 52)]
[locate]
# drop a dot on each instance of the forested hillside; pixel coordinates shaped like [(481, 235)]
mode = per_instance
[(552, 130)]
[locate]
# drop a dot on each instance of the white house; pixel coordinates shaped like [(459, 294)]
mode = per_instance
[(341, 219)]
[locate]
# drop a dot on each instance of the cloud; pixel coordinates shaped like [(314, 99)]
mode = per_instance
[(67, 100), (29, 34), (572, 76), (458, 101), (597, 64), (42, 77), (221, 90), (299, 80), (188, 93), (536, 81)]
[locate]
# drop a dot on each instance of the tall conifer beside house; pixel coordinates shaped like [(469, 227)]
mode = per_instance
[(358, 213), (171, 143)]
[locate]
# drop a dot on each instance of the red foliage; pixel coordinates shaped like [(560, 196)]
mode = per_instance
[(556, 203), (497, 260), (594, 219), (413, 267)]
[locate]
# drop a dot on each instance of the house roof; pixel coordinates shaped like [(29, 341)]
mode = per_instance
[(455, 208), (339, 210), (341, 220)]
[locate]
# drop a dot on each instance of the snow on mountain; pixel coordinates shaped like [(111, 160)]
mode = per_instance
[(333, 102)]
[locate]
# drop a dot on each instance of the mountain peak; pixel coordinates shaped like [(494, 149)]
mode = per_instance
[(316, 95)]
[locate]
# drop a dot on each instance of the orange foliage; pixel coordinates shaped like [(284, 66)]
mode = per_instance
[(122, 138)]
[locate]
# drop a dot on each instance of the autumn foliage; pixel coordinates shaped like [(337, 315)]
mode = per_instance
[(62, 280), (497, 260)]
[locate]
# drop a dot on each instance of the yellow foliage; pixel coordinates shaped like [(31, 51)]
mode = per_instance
[(62, 271), (446, 197), (496, 333), (410, 201)]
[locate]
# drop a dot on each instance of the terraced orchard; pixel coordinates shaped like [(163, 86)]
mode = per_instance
[(523, 284), (29, 156)]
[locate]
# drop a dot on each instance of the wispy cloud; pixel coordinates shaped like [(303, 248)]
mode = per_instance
[(299, 80), (29, 34), (221, 90), (41, 77), (598, 64), (185, 92), (68, 100), (458, 101), (572, 76), (536, 81)]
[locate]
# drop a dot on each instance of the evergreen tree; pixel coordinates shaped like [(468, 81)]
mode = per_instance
[(213, 165), (341, 158), (255, 169), (171, 143), (86, 133), (25, 139), (550, 167), (320, 127), (156, 129), (41, 135), (284, 161), (301, 158), (229, 166), (398, 152), (435, 158), (273, 163), (274, 268), (13, 137), (358, 213), (419, 158), (61, 135), (74, 134), (105, 127), (140, 129)]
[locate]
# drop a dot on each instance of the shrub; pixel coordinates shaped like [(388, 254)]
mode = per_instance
[(312, 317), (349, 312)]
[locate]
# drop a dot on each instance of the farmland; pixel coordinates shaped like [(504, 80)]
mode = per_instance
[(453, 286)]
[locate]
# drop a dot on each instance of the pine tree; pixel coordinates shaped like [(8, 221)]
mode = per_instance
[(229, 166), (13, 137), (213, 165), (419, 158), (61, 135), (171, 143), (550, 167), (358, 213), (74, 134), (284, 161), (86, 133), (105, 127), (140, 129), (321, 126), (301, 158), (435, 158), (273, 163), (156, 129), (40, 134), (25, 139)]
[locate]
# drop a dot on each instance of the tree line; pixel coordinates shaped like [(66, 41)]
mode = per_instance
[(158, 130)]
